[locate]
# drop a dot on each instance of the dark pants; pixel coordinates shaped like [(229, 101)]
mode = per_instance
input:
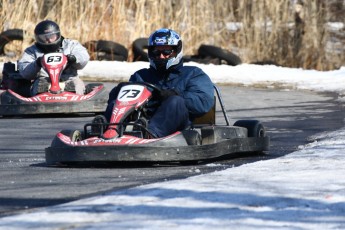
[(171, 116)]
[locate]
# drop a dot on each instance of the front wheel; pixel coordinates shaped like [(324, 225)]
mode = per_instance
[(76, 136)]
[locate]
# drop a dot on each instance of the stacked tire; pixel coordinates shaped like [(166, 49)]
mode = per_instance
[(106, 50), (206, 54), (6, 37), (113, 51), (139, 48)]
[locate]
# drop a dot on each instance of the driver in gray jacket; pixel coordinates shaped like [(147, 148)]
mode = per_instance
[(48, 40)]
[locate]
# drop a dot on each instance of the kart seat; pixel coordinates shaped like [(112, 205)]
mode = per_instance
[(210, 117)]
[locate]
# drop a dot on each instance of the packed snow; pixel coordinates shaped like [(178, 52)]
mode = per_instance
[(302, 190)]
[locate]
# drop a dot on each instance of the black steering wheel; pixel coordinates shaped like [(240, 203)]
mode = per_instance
[(155, 91), (152, 86)]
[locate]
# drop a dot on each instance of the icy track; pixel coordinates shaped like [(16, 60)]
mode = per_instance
[(302, 190)]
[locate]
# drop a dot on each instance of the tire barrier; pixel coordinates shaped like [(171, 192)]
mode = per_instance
[(139, 48), (9, 36), (219, 53), (113, 51), (106, 50), (207, 54)]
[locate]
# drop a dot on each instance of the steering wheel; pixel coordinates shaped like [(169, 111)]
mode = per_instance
[(152, 86), (155, 90)]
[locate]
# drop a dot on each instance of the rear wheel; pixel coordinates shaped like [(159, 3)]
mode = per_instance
[(254, 127)]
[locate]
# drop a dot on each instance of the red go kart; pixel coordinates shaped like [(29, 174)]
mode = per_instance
[(125, 140), (15, 99)]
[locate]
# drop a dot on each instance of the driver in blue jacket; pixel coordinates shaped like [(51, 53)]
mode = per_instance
[(187, 92)]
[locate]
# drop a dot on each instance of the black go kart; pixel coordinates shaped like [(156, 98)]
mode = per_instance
[(15, 99), (120, 140)]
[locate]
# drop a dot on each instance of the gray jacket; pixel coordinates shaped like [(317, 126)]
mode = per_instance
[(28, 68)]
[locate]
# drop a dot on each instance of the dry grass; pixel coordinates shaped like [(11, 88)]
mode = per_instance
[(269, 29)]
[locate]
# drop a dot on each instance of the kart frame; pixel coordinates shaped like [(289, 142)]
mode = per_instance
[(217, 141)]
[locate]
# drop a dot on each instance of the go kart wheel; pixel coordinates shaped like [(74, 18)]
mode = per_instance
[(76, 135), (254, 127)]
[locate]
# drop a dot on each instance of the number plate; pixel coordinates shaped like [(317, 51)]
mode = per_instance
[(130, 93)]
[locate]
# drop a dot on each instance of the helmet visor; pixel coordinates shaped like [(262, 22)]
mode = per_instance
[(48, 38), (165, 52)]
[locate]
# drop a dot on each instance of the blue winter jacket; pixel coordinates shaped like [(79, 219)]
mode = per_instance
[(190, 82)]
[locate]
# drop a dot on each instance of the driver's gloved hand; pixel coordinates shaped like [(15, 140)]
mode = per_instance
[(165, 93), (39, 62), (71, 59)]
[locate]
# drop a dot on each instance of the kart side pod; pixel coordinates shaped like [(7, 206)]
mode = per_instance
[(214, 134)]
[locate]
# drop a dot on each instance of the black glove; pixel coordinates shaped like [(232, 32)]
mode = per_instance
[(71, 59), (165, 93), (39, 62)]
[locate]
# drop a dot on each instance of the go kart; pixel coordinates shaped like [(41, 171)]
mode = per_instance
[(124, 140), (15, 99)]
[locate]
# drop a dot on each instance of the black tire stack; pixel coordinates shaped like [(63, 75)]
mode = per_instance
[(206, 54), (113, 51), (106, 50), (8, 36)]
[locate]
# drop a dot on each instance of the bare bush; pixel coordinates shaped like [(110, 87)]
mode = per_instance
[(292, 33)]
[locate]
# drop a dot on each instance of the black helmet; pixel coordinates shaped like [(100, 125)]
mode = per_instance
[(48, 36), (165, 37)]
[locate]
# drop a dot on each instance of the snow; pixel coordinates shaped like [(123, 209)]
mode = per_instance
[(302, 190)]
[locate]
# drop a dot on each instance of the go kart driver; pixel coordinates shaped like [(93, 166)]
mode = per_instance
[(186, 91), (48, 40)]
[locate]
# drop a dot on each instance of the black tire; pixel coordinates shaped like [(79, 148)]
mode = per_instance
[(114, 50), (66, 132), (192, 137), (76, 135), (217, 52), (267, 62), (9, 36), (110, 57), (139, 48), (111, 47), (254, 127), (202, 59), (56, 141), (73, 134)]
